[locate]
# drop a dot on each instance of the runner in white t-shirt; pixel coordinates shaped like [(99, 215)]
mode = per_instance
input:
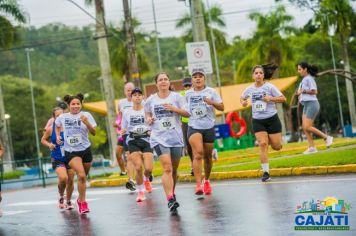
[(265, 121), (137, 130), (76, 126), (163, 112), (121, 147), (202, 102)]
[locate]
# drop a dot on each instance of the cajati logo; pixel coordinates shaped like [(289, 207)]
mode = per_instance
[(328, 214)]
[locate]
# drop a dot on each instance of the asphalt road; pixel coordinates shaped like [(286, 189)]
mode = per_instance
[(236, 207)]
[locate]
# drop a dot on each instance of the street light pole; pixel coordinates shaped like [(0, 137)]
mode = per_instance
[(28, 50), (156, 34)]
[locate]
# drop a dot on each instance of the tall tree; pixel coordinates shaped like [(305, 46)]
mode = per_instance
[(8, 32)]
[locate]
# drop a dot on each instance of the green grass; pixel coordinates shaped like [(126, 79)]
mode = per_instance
[(341, 157), (13, 174), (241, 159)]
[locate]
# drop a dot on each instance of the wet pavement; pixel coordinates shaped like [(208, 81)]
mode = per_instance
[(241, 207)]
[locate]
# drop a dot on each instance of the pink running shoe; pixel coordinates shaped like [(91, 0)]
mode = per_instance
[(198, 190), (61, 203), (148, 186), (85, 208), (207, 187), (140, 197)]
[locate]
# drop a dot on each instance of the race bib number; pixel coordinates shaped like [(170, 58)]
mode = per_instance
[(166, 123), (199, 112), (260, 106), (74, 140), (139, 129)]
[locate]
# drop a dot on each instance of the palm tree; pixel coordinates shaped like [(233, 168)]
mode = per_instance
[(8, 32), (216, 22), (269, 44)]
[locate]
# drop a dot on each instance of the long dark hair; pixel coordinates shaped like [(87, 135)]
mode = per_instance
[(68, 98), (311, 69)]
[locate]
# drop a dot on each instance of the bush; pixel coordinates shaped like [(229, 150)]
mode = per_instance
[(13, 174)]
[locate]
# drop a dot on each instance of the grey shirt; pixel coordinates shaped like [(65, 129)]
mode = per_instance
[(308, 83), (260, 108)]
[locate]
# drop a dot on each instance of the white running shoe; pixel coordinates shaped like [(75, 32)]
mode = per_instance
[(215, 154), (310, 150), (329, 141)]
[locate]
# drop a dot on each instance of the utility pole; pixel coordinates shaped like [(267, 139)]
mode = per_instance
[(8, 157), (156, 34), (104, 58), (131, 46), (199, 33)]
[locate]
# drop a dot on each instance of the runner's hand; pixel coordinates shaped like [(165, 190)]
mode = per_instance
[(51, 146), (267, 98), (149, 120), (169, 107), (208, 101), (84, 119), (59, 140), (244, 102), (122, 132)]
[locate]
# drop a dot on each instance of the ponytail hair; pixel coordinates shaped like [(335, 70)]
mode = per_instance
[(68, 98), (311, 69)]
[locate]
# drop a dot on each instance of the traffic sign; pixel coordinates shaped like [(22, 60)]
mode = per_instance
[(198, 56)]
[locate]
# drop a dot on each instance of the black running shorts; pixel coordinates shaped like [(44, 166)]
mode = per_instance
[(270, 125), (139, 145), (208, 134), (86, 155)]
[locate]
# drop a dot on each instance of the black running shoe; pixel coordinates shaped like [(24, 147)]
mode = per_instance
[(150, 178), (265, 177), (123, 173), (191, 172), (173, 205), (131, 185)]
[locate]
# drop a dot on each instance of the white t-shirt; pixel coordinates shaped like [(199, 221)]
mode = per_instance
[(202, 115), (308, 83), (166, 127), (134, 122), (75, 132), (124, 104), (260, 108)]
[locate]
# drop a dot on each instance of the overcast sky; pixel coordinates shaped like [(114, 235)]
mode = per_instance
[(43, 12)]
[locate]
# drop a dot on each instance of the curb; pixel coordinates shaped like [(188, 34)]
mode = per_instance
[(312, 170)]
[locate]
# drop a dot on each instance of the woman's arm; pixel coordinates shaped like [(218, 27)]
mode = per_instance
[(216, 105), (175, 109), (85, 120), (44, 140)]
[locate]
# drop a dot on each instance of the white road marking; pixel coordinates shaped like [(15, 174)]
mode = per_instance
[(40, 203), (109, 191), (9, 213)]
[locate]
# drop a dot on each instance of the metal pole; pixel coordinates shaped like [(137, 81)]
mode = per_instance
[(157, 39), (336, 79), (215, 55), (28, 50)]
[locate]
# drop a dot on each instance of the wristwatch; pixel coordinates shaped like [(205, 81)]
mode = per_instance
[(304, 91)]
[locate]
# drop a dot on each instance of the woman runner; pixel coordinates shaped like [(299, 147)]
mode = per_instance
[(202, 102), (133, 124), (265, 121), (76, 126), (163, 112), (307, 97), (63, 171)]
